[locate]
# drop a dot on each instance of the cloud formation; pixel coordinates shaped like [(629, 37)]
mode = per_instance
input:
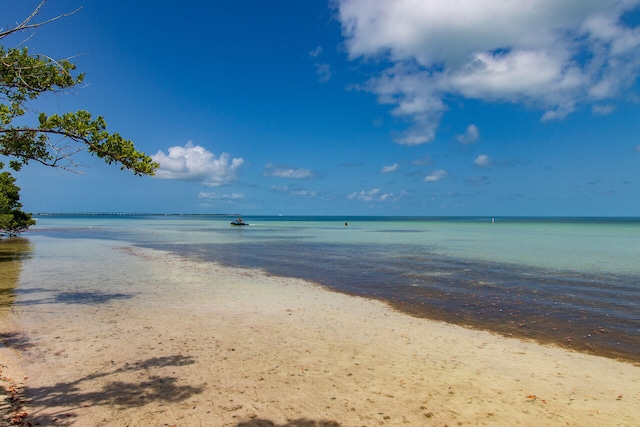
[(390, 168), (299, 192), (423, 161), (482, 160), (195, 163), (287, 172), (478, 180), (214, 196), (470, 136), (323, 70), (546, 54), (602, 110), (436, 175), (374, 195), (316, 52)]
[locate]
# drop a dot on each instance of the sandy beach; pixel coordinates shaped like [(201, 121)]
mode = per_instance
[(183, 343)]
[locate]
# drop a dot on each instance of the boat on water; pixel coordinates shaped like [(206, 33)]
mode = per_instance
[(238, 221)]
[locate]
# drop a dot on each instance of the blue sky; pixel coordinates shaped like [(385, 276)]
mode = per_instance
[(350, 107)]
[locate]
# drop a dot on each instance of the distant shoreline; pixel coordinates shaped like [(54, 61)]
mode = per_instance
[(355, 218)]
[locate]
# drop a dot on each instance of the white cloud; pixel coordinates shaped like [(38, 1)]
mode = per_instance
[(280, 188), (294, 192), (316, 52), (304, 193), (470, 136), (423, 161), (214, 196), (388, 169), (364, 196), (323, 71), (478, 180), (374, 195), (482, 160), (547, 54), (436, 175), (602, 110), (287, 172), (195, 163)]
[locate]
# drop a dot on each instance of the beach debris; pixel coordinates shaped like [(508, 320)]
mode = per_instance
[(534, 398), (14, 414)]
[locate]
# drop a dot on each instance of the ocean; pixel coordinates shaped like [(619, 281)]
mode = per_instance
[(574, 282)]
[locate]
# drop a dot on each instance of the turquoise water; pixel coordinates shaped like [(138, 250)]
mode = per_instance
[(571, 281)]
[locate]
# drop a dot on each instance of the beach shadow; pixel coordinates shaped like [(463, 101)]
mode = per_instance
[(302, 422), (80, 297), (70, 395), (15, 340), (91, 298)]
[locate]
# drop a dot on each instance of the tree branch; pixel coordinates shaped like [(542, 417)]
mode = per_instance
[(26, 25)]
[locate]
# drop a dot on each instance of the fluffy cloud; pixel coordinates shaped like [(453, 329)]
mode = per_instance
[(436, 175), (482, 160), (195, 163), (364, 196), (470, 136), (388, 169), (287, 172), (374, 195), (547, 54)]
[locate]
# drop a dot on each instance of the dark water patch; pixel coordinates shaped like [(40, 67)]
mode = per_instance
[(594, 313)]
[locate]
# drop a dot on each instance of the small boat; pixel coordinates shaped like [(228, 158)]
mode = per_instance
[(238, 221)]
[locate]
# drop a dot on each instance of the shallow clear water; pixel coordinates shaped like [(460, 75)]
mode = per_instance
[(575, 282)]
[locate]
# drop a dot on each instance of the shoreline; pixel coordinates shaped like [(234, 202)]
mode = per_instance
[(178, 342), (570, 338), (576, 312)]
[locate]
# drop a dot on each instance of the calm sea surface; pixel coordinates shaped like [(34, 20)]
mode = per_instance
[(570, 281)]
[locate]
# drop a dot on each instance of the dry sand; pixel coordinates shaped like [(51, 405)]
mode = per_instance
[(213, 346)]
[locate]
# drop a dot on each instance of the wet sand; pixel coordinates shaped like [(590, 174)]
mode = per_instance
[(187, 343)]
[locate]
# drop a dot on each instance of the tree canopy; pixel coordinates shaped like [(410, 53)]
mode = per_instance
[(23, 78), (12, 220), (52, 140)]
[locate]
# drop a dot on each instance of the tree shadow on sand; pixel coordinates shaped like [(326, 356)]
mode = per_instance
[(78, 297), (70, 395), (16, 340), (301, 422)]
